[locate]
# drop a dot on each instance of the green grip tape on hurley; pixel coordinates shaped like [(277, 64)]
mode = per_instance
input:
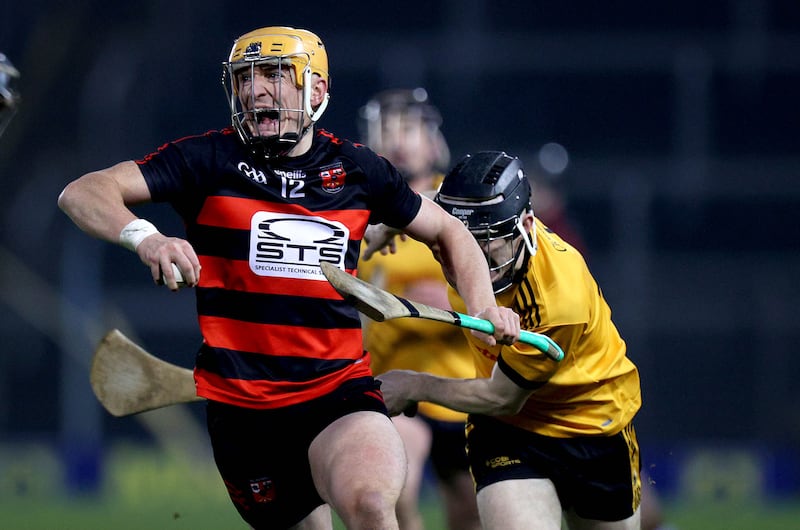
[(541, 342)]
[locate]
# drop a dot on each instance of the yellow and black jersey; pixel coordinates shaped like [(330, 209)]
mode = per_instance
[(595, 389)]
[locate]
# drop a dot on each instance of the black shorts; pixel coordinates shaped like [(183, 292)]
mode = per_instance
[(595, 476), (262, 455), (448, 448)]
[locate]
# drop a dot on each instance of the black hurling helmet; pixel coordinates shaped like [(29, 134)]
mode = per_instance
[(488, 191)]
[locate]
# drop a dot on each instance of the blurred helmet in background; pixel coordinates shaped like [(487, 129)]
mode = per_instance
[(403, 126)]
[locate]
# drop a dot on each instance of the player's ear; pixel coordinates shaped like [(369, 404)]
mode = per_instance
[(527, 221), (319, 87)]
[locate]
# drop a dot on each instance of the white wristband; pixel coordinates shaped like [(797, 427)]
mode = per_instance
[(135, 231)]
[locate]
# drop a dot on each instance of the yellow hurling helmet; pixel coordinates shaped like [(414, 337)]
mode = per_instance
[(298, 49)]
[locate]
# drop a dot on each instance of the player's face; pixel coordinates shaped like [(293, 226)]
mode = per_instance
[(500, 254), (406, 142), (269, 95)]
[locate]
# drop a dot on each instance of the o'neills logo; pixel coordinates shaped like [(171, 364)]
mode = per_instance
[(461, 211)]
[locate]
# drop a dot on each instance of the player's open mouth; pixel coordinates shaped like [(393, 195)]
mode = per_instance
[(266, 115)]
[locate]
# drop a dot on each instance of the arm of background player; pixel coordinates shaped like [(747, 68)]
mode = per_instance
[(495, 396)]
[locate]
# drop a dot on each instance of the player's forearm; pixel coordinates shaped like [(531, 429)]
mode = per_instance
[(474, 396), (466, 266)]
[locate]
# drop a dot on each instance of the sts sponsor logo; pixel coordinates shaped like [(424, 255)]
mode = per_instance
[(292, 246)]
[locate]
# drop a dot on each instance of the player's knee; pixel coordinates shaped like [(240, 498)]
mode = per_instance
[(369, 507)]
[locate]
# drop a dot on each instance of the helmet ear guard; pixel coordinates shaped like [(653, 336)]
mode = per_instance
[(489, 192)]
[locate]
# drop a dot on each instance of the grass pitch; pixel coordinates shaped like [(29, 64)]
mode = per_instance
[(144, 489)]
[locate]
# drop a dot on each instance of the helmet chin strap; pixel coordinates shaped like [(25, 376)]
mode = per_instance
[(529, 242)]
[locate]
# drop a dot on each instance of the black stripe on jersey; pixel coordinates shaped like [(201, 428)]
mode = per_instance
[(220, 242), (517, 378), (527, 306), (409, 306), (248, 366), (281, 310)]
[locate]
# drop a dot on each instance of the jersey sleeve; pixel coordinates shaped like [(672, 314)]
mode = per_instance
[(165, 172), (394, 203), (526, 365), (177, 169)]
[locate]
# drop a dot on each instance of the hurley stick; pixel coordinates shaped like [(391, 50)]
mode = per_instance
[(379, 305), (128, 380)]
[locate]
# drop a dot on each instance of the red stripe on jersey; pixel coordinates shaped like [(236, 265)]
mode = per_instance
[(327, 344), (236, 275), (262, 394), (236, 213)]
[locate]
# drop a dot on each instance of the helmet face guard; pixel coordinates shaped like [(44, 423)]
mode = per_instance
[(488, 191), (9, 97), (502, 245), (285, 59)]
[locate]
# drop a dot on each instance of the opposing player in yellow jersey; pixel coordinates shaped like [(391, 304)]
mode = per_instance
[(403, 126), (546, 440)]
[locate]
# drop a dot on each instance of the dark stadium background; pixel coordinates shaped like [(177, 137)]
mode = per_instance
[(682, 124)]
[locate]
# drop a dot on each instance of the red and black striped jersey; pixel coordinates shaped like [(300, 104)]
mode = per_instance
[(275, 332)]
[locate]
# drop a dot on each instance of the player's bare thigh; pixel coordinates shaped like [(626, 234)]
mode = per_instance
[(416, 436), (521, 504), (360, 453)]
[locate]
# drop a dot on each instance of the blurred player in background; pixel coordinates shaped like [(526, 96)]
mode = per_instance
[(547, 441), (9, 98), (403, 126)]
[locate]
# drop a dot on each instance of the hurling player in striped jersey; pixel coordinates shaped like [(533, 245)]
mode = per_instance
[(296, 420)]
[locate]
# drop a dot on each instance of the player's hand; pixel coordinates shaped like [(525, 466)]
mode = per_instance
[(397, 386), (381, 238), (506, 326), (172, 261)]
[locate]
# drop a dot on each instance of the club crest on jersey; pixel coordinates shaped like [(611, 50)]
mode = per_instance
[(263, 490), (332, 178)]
